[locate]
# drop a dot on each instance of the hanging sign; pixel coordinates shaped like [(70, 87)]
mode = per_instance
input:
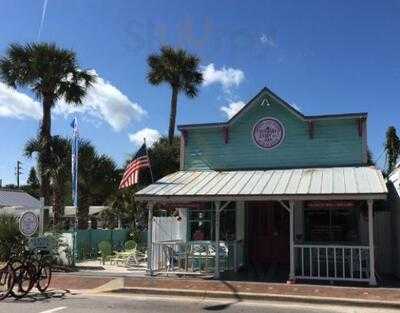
[(28, 223), (330, 204), (268, 133), (186, 205)]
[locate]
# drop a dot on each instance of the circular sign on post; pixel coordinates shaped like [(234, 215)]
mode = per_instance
[(28, 223), (268, 133)]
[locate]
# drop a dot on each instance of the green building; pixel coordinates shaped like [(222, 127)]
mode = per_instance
[(280, 192)]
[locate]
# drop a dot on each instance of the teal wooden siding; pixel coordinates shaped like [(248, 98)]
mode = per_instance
[(336, 142)]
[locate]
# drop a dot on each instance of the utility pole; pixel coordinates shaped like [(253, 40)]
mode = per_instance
[(18, 172)]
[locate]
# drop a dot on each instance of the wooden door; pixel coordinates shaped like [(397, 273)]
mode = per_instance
[(268, 233)]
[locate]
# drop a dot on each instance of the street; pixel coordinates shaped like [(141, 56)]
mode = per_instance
[(106, 303)]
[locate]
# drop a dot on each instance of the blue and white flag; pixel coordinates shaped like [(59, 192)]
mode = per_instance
[(74, 161)]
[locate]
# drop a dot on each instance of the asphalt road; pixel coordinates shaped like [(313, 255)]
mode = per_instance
[(88, 303)]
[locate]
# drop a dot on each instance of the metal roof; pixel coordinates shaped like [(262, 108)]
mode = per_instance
[(280, 184), (18, 199), (69, 211)]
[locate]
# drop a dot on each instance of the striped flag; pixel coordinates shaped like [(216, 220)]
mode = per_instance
[(131, 174), (74, 161)]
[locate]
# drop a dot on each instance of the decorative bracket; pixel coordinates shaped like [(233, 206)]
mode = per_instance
[(185, 136), (225, 131), (360, 126), (311, 129)]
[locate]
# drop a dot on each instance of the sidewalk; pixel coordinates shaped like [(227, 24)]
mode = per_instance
[(360, 296)]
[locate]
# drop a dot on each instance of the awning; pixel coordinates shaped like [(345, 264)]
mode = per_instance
[(335, 183)]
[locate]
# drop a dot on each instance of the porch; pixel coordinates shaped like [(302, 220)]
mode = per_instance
[(277, 223)]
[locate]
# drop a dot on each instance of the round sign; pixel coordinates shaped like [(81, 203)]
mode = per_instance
[(268, 133), (28, 223)]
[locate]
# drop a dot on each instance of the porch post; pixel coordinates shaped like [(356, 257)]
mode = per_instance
[(217, 218), (291, 233), (150, 206), (372, 278)]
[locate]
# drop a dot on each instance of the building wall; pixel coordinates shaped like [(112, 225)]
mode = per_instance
[(335, 143), (394, 200)]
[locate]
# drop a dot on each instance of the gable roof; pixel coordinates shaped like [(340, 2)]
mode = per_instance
[(267, 92)]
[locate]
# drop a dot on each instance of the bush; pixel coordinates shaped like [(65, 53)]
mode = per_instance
[(11, 240)]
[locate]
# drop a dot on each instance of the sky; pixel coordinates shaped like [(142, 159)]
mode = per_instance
[(320, 56)]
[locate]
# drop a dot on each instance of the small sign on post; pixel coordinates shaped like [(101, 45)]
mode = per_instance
[(28, 223)]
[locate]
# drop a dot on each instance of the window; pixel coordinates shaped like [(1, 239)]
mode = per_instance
[(202, 223), (331, 225)]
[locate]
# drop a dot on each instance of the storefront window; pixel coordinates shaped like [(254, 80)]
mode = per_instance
[(331, 225), (201, 226), (202, 223)]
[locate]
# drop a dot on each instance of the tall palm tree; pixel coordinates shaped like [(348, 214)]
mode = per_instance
[(179, 69), (392, 147), (50, 73)]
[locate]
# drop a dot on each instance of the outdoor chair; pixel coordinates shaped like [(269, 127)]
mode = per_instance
[(105, 251)]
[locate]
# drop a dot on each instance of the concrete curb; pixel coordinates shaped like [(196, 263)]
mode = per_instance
[(258, 296)]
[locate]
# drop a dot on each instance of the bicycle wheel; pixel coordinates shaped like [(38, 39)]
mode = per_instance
[(22, 283), (6, 282), (43, 278), (33, 267)]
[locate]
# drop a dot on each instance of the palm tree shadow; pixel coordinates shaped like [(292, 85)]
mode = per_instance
[(224, 306)]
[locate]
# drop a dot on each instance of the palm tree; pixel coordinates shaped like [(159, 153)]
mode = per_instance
[(58, 170), (392, 147), (179, 69), (98, 180), (51, 73)]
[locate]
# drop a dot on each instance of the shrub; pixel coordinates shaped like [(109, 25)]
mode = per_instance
[(11, 240)]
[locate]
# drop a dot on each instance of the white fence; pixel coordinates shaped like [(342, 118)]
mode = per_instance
[(330, 262)]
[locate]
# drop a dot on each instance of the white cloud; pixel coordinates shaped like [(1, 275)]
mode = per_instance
[(267, 40), (151, 135), (18, 105), (227, 77), (232, 108), (105, 102)]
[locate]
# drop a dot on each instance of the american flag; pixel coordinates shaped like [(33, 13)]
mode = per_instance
[(131, 175)]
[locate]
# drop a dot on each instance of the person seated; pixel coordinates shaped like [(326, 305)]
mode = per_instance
[(198, 235)]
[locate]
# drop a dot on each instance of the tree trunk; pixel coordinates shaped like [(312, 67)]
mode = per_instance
[(83, 210), (44, 155), (59, 201), (172, 116)]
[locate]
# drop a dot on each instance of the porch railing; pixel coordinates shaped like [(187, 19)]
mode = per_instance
[(196, 257), (332, 262)]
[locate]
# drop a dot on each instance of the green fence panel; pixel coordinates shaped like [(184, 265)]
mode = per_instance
[(87, 241)]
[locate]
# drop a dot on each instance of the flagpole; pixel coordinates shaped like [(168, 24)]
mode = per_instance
[(74, 164), (147, 153)]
